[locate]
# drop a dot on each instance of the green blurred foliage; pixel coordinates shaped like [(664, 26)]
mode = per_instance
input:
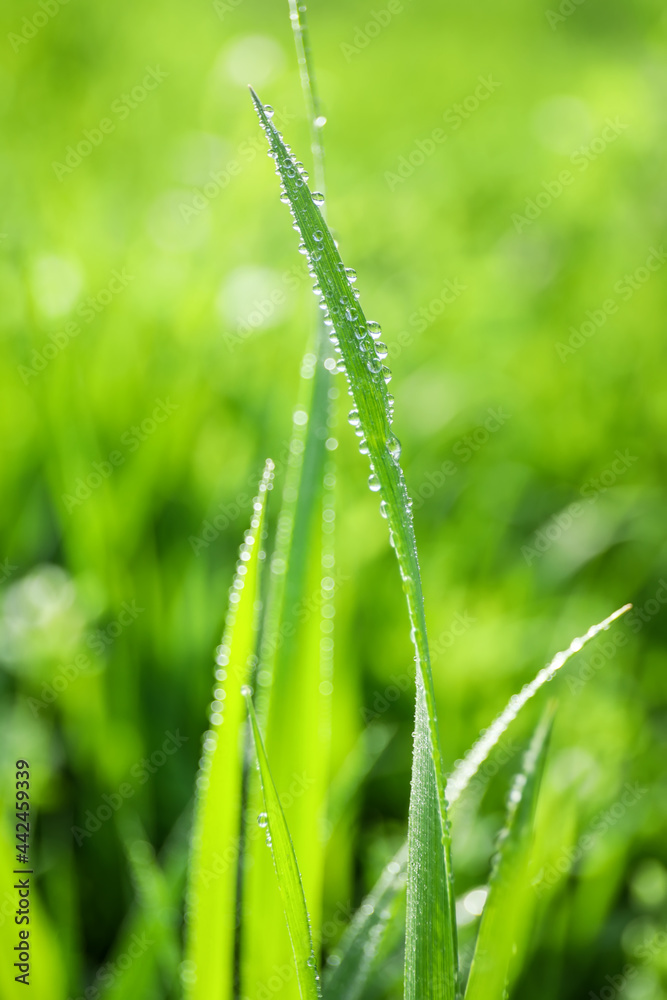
[(526, 337)]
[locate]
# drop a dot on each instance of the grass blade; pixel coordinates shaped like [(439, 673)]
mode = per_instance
[(476, 756), (430, 971), (215, 848), (366, 931), (287, 872), (505, 905), (351, 964)]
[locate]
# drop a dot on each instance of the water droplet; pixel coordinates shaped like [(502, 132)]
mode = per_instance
[(373, 483), (384, 509), (318, 235), (394, 447), (318, 197), (374, 329), (320, 121), (263, 820), (373, 366), (303, 248), (382, 350), (351, 274), (246, 691), (269, 111), (354, 418)]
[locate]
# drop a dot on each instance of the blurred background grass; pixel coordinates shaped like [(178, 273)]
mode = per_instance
[(183, 373)]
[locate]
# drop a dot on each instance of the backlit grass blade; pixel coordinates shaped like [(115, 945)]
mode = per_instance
[(294, 679), (430, 970), (209, 965), (287, 872), (296, 657), (505, 905), (351, 963), (476, 756), (366, 930)]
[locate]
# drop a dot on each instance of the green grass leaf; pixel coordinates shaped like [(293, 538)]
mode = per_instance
[(505, 910), (364, 936), (431, 954), (209, 968), (287, 872)]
